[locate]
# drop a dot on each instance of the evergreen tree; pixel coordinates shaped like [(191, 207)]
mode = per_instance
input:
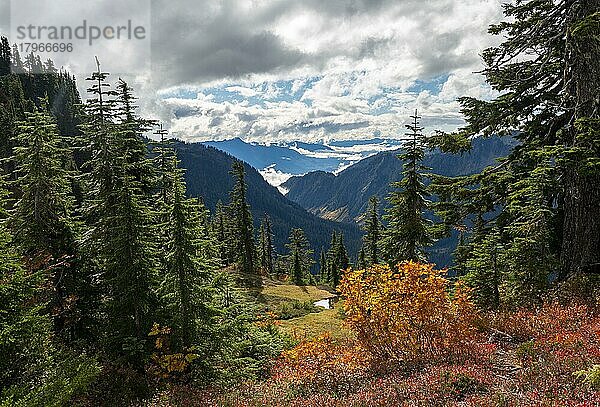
[(130, 135), (337, 260), (164, 161), (323, 270), (342, 261), (361, 263), (17, 62), (332, 260), (300, 257), (543, 198), (41, 220), (266, 247), (5, 57), (185, 284), (222, 233), (24, 330), (408, 232), (484, 265), (372, 237), (33, 372), (243, 227), (119, 243)]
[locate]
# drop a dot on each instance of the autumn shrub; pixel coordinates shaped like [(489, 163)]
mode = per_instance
[(324, 364), (408, 314), (525, 324), (557, 346), (165, 363)]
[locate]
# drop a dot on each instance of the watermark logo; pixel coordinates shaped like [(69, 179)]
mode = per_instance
[(70, 33)]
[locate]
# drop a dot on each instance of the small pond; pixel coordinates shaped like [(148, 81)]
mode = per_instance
[(326, 303)]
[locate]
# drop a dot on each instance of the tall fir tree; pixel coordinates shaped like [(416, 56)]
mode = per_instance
[(242, 217), (332, 260), (25, 331), (408, 232), (337, 259), (34, 371), (343, 262), (5, 57), (300, 258), (185, 284), (119, 243), (323, 269), (223, 234), (361, 260), (266, 249), (42, 221)]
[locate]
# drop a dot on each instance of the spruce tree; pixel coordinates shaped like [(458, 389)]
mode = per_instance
[(549, 103), (408, 232), (184, 286), (243, 227), (323, 270), (5, 57), (33, 370), (332, 260), (300, 257), (41, 221), (544, 196), (485, 270), (361, 262), (221, 231), (119, 245), (17, 63), (24, 331), (342, 261), (265, 255)]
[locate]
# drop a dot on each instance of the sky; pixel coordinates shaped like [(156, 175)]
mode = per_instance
[(271, 70)]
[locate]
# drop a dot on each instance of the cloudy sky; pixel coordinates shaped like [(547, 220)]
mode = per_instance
[(273, 70)]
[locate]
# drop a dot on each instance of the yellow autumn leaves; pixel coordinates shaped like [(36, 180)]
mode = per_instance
[(407, 313)]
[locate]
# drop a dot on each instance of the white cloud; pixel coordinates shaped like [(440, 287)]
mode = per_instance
[(353, 69), (246, 92), (275, 177)]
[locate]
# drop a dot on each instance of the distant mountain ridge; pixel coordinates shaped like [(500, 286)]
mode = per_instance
[(286, 159), (207, 176), (344, 197), (298, 158)]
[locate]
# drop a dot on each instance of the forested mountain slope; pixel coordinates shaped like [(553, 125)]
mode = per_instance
[(344, 197), (208, 176)]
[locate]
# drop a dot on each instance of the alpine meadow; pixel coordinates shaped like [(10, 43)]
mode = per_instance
[(300, 203)]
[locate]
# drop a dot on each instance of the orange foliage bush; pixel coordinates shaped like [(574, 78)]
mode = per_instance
[(408, 314), (324, 363)]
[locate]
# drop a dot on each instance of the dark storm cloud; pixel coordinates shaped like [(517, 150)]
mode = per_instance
[(205, 41), (211, 40)]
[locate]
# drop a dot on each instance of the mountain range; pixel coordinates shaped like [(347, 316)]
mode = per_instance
[(297, 158), (322, 201), (344, 197), (207, 176)]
